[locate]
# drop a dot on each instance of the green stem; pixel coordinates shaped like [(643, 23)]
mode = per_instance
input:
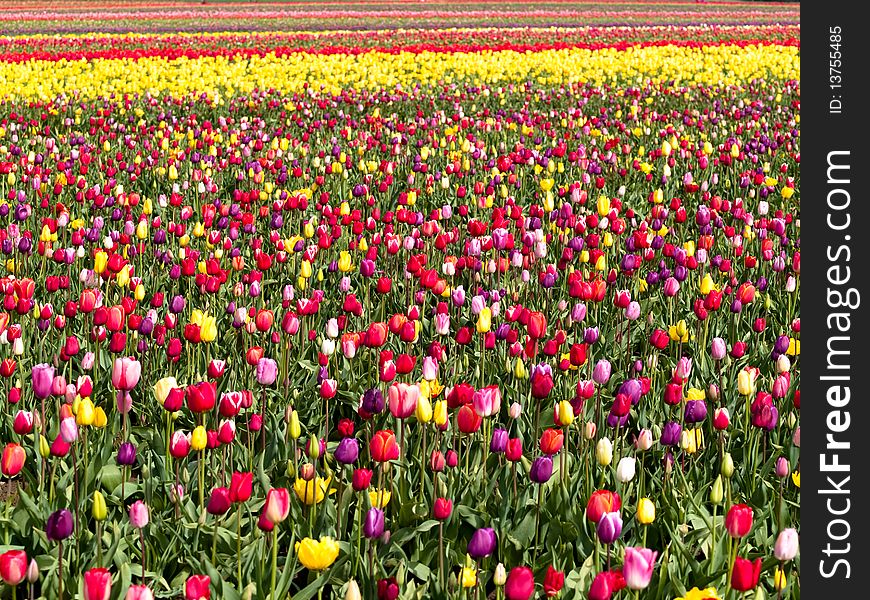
[(239, 546), (274, 559)]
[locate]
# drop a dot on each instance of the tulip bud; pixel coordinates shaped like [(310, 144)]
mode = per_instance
[(32, 571), (604, 451), (716, 491), (644, 440), (591, 429), (499, 576), (293, 427), (99, 510), (44, 447), (353, 591), (625, 469), (727, 469), (313, 447)]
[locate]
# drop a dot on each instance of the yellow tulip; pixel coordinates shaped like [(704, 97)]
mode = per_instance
[(317, 555), (99, 510), (208, 329), (198, 439), (100, 419), (746, 383), (85, 414), (344, 262), (706, 284), (565, 412), (101, 259), (423, 412), (440, 413), (520, 369), (469, 577), (484, 320), (380, 498), (646, 511), (311, 492)]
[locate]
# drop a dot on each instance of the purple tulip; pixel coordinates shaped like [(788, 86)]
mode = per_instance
[(718, 349), (373, 527), (541, 469), (696, 411), (126, 454), (373, 402), (590, 335), (59, 525), (671, 433), (347, 451), (482, 543), (609, 527), (499, 441)]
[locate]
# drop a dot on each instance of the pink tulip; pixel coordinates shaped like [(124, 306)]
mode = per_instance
[(638, 567), (403, 399), (487, 401), (126, 372), (277, 506), (139, 592), (139, 514)]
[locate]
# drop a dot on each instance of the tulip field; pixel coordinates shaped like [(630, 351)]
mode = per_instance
[(399, 301)]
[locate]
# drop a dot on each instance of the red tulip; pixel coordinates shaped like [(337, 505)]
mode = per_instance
[(738, 521), (376, 335), (537, 325), (197, 587), (542, 381), (459, 394), (551, 441), (673, 394), (606, 584), (468, 420), (174, 400), (97, 584), (201, 397), (361, 480), (659, 338), (7, 367), (554, 581), (745, 574), (23, 422), (241, 486), (179, 444), (514, 450), (12, 460), (13, 567), (384, 447), (216, 368), (520, 584), (578, 354), (219, 502), (601, 502), (442, 509)]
